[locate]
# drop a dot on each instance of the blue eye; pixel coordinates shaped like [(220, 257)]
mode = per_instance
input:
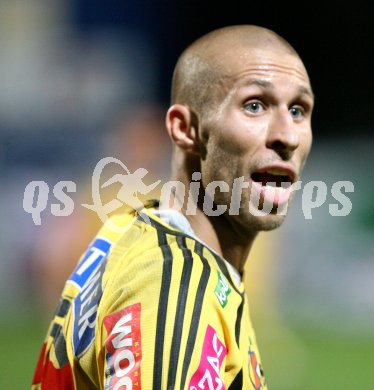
[(296, 112), (254, 107)]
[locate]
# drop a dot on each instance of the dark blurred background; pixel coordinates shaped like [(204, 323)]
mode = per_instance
[(84, 79)]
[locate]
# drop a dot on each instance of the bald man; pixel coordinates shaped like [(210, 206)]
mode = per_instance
[(157, 301)]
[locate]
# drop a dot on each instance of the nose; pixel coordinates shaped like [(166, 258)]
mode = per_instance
[(282, 135)]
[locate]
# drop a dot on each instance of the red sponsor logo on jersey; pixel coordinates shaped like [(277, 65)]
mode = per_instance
[(255, 373), (124, 349), (207, 376)]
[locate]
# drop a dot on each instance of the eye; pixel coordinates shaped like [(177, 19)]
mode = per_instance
[(296, 112), (254, 107)]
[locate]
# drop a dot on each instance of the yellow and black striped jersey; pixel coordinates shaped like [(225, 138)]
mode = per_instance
[(150, 307)]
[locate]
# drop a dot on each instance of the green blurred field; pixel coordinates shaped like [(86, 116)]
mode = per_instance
[(320, 361), (323, 360), (21, 338)]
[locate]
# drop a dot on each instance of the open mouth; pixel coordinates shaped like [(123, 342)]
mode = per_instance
[(273, 185), (273, 178)]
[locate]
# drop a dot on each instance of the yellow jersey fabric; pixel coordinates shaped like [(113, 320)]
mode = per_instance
[(150, 307)]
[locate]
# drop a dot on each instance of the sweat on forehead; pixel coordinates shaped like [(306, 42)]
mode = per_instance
[(207, 61)]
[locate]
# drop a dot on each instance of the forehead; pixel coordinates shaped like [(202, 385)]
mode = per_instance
[(267, 66)]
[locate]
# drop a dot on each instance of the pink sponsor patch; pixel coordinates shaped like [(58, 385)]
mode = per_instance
[(207, 376)]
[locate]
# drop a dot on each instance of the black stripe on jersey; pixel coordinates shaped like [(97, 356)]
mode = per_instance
[(237, 384), (158, 226), (239, 320), (219, 260), (63, 308), (59, 344), (180, 312), (56, 329), (162, 305), (60, 350), (196, 311)]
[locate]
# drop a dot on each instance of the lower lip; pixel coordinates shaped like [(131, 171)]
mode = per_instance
[(274, 195)]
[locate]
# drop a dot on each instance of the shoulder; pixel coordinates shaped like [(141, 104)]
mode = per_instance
[(150, 257)]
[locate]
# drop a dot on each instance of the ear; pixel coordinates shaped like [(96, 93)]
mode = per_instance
[(181, 124)]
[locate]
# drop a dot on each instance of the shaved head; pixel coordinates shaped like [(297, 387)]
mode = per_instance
[(211, 60)]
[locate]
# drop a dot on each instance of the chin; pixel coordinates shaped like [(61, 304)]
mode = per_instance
[(270, 224), (263, 222)]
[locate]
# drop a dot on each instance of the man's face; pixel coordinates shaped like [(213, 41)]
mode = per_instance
[(260, 130)]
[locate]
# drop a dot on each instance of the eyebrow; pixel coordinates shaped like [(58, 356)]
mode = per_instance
[(302, 90), (306, 91)]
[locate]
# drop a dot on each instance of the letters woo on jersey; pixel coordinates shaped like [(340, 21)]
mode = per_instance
[(124, 351)]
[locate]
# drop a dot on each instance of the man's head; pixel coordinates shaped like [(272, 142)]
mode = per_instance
[(241, 107)]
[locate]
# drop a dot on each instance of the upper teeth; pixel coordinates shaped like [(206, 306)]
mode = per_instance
[(276, 172)]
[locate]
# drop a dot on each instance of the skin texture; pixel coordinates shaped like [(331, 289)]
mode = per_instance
[(241, 102)]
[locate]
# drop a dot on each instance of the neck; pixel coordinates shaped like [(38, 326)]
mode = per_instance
[(224, 235)]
